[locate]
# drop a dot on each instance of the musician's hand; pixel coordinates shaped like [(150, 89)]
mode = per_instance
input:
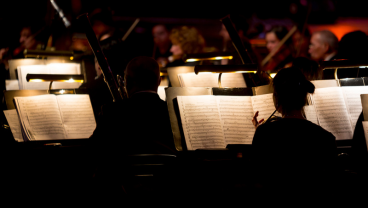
[(255, 122)]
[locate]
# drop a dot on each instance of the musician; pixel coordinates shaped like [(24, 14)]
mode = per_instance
[(323, 46), (308, 67), (185, 40), (161, 37), (292, 156), (283, 57), (139, 124)]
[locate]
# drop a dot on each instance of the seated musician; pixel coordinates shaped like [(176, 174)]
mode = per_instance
[(283, 55), (185, 40), (139, 124), (323, 46), (292, 154)]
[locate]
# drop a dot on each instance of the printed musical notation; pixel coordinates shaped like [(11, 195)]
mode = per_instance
[(201, 122), (236, 114), (264, 104), (311, 114), (353, 101), (41, 117), (77, 116), (332, 112)]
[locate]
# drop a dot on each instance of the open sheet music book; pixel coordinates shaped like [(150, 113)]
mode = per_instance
[(211, 80), (337, 109), (216, 121), (50, 117)]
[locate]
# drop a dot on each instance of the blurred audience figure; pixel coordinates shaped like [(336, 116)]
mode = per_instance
[(301, 42), (308, 67), (161, 38), (282, 56), (102, 23), (185, 40), (30, 38), (353, 46), (324, 45)]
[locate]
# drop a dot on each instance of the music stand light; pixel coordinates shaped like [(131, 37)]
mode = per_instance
[(208, 56), (56, 78), (246, 68), (342, 63)]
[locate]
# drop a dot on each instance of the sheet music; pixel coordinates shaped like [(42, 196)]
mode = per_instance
[(332, 112), (11, 84), (14, 123), (211, 80), (354, 103), (232, 80), (40, 117), (264, 104), (236, 114), (311, 114), (201, 122), (365, 128), (77, 116), (64, 68)]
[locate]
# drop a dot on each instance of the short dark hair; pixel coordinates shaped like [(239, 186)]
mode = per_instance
[(142, 72), (290, 90), (280, 31)]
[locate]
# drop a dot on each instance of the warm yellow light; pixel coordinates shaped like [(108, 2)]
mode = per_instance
[(70, 80), (246, 72), (71, 58), (208, 59), (273, 75), (36, 80), (61, 91)]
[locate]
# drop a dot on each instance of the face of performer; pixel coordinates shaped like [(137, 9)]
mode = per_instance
[(317, 48), (24, 34), (176, 50), (271, 41), (160, 35), (224, 34)]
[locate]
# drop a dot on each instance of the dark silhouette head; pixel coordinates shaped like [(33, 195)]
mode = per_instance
[(353, 46), (308, 67), (290, 90), (142, 74)]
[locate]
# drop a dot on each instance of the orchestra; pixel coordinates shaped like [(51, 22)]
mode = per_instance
[(148, 145)]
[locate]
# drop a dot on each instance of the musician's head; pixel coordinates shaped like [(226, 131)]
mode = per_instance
[(274, 36), (186, 40), (323, 45), (290, 90), (142, 74)]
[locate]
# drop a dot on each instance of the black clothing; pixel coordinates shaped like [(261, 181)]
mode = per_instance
[(293, 156), (138, 125), (99, 93)]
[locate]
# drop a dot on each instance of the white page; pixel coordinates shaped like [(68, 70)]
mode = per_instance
[(201, 122), (311, 114), (40, 117), (365, 128), (11, 84), (14, 123), (161, 92), (354, 103), (77, 116), (211, 80), (236, 114), (264, 104), (332, 112)]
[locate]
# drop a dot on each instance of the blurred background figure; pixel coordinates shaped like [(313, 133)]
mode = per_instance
[(301, 42), (185, 40), (283, 56), (30, 38), (308, 67), (162, 44), (353, 46), (324, 45)]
